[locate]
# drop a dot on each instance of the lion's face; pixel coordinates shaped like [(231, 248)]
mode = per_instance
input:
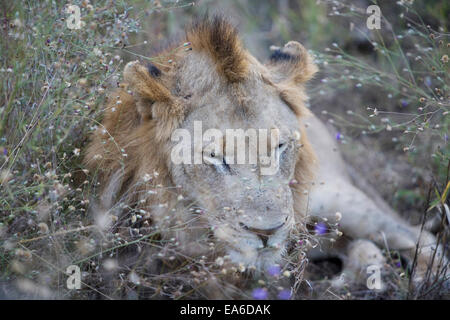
[(249, 210), (240, 186)]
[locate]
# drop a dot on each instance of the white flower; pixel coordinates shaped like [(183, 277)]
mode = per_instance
[(43, 228), (110, 264), (219, 261), (97, 52), (134, 278)]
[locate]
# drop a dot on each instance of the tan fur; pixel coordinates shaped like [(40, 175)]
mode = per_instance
[(134, 138), (297, 70), (219, 39)]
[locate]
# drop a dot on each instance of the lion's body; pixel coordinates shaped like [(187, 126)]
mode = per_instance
[(214, 80)]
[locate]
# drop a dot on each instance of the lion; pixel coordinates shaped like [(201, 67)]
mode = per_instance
[(250, 217)]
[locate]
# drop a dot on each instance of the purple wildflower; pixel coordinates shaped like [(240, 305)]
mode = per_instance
[(274, 270), (398, 264), (5, 151), (260, 294), (338, 136), (428, 81), (404, 103), (320, 228), (284, 294)]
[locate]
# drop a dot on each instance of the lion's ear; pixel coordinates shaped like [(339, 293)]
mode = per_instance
[(291, 64), (149, 91)]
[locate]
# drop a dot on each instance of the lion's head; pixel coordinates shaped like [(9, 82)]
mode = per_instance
[(213, 81)]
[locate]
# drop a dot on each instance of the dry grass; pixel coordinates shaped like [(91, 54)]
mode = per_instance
[(53, 85)]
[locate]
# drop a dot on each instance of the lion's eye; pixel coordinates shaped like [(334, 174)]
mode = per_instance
[(282, 147), (218, 161)]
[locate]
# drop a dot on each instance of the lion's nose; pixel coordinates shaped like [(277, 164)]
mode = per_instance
[(263, 234)]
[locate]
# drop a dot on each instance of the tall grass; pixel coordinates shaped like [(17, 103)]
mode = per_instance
[(53, 83), (53, 90), (407, 71)]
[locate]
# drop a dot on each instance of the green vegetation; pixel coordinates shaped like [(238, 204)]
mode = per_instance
[(394, 95)]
